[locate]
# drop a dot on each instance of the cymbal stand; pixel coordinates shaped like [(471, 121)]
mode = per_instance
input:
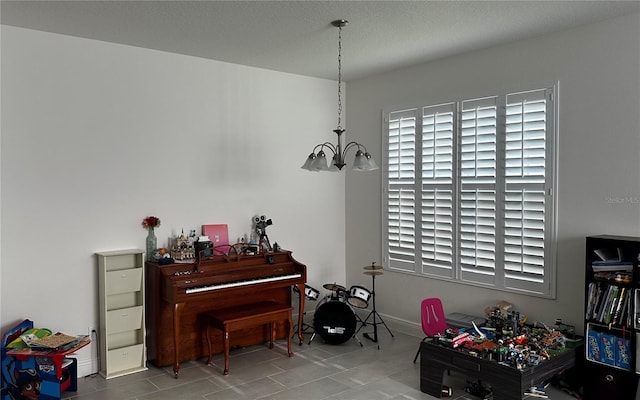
[(375, 314)]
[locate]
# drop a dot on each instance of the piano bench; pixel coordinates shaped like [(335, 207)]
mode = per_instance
[(248, 316)]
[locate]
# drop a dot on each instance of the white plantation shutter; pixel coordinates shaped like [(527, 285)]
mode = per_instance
[(469, 191), (478, 164), (436, 222), (525, 205), (400, 191)]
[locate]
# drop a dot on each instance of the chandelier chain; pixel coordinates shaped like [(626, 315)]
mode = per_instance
[(339, 76)]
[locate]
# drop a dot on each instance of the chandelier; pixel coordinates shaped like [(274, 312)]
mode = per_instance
[(317, 160)]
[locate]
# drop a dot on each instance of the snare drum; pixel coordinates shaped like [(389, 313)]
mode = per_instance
[(309, 292), (359, 296)]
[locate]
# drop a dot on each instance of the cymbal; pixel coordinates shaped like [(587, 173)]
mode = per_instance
[(373, 272), (333, 287), (372, 267)]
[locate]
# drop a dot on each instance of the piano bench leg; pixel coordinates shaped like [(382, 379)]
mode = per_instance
[(210, 359), (226, 349)]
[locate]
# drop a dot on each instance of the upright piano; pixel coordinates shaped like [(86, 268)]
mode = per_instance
[(177, 293)]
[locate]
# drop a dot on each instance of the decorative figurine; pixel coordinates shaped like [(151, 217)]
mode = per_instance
[(183, 248)]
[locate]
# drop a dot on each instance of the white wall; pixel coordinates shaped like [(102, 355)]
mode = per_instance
[(97, 136), (598, 67)]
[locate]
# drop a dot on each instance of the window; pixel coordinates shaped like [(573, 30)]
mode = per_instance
[(469, 191)]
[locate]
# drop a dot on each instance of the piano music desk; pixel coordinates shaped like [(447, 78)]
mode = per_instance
[(248, 316)]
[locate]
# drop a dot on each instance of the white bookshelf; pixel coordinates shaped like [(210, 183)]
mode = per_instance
[(122, 323)]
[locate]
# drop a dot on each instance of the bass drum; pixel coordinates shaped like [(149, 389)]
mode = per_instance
[(334, 321)]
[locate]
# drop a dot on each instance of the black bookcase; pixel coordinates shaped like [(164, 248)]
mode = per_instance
[(612, 317)]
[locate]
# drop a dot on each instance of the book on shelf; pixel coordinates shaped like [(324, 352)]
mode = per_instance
[(609, 307), (606, 293), (595, 294), (608, 304), (591, 294), (617, 307)]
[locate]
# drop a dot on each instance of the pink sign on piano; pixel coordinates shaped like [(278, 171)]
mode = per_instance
[(219, 236)]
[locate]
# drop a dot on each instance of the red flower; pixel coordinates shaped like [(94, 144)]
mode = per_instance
[(151, 222)]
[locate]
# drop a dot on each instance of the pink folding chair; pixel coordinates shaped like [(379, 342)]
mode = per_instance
[(434, 322)]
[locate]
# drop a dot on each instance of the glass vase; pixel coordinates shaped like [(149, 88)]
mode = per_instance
[(152, 244)]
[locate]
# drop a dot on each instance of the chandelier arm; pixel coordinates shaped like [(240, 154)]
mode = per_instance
[(363, 146), (350, 145), (331, 147)]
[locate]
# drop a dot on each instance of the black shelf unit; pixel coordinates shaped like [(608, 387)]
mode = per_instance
[(612, 317)]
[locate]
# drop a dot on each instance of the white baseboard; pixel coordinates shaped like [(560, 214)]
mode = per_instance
[(87, 367), (87, 358), (395, 324)]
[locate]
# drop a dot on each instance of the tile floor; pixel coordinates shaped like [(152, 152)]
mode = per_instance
[(317, 371)]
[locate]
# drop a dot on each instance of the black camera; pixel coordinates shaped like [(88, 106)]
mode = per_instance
[(262, 222), (261, 230)]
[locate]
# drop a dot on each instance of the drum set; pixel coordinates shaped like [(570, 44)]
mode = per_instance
[(335, 319)]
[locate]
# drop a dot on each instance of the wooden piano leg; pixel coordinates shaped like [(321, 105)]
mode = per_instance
[(300, 312), (290, 330), (176, 338)]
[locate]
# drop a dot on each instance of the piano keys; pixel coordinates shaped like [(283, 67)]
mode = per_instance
[(226, 285), (177, 293)]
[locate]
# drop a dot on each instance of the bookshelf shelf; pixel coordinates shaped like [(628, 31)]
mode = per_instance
[(612, 316)]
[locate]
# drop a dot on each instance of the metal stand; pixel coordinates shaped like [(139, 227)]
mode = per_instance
[(312, 336), (306, 328), (373, 312), (362, 323)]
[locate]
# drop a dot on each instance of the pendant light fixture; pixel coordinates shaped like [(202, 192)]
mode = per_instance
[(317, 160)]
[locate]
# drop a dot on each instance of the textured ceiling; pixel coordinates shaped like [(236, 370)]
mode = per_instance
[(297, 36)]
